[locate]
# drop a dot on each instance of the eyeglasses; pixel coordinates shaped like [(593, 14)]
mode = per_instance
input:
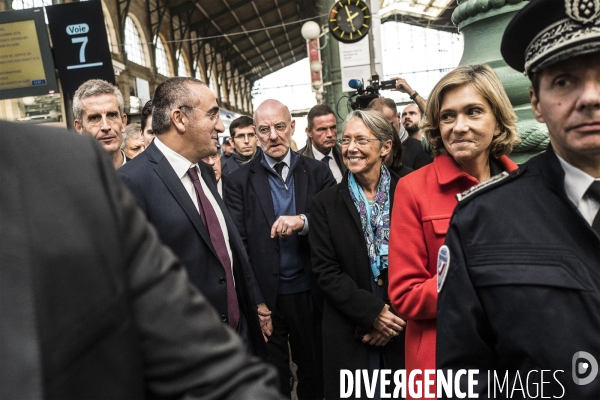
[(266, 130), (361, 141), (213, 117), (245, 136)]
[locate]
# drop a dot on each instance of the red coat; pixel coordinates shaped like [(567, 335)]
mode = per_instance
[(424, 202)]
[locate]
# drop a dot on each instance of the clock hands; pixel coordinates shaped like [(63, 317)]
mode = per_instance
[(351, 17), (349, 20)]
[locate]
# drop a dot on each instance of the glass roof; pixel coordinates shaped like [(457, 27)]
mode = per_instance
[(419, 8)]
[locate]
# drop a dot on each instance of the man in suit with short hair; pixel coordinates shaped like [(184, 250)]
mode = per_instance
[(133, 142), (321, 143), (269, 199), (179, 195), (146, 123), (244, 142), (99, 111)]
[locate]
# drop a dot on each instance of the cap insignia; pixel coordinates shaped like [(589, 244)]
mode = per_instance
[(583, 11)]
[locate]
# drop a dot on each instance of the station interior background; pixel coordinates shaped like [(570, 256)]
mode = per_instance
[(159, 40)]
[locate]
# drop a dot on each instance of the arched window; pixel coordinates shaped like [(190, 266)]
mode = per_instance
[(162, 60), (133, 43), (199, 71), (23, 4), (182, 69), (110, 29)]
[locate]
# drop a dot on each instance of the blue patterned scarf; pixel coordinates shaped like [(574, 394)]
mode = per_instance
[(375, 219)]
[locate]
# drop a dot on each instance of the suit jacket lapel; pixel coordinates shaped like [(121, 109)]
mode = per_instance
[(260, 183), (173, 183), (301, 185)]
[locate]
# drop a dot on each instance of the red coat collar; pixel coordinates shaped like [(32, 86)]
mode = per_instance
[(448, 170)]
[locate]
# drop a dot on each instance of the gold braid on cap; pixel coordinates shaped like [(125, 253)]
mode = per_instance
[(571, 33)]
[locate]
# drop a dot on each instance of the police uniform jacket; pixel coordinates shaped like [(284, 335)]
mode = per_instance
[(522, 291), (424, 202)]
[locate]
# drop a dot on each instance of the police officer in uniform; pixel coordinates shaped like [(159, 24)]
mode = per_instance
[(519, 281)]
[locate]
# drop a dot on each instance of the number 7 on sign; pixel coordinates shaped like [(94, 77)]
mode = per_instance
[(83, 40), (78, 29)]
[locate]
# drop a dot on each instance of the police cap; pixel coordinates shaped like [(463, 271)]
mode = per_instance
[(545, 32)]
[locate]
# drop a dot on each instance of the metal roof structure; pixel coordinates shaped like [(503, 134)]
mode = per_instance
[(258, 36), (435, 14), (263, 36)]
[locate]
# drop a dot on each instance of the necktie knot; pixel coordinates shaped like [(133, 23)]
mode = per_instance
[(594, 191), (193, 174), (326, 159), (279, 168)]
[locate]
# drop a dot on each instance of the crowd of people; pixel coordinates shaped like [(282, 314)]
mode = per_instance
[(253, 271)]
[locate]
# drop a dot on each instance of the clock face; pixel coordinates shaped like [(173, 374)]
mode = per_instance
[(349, 20)]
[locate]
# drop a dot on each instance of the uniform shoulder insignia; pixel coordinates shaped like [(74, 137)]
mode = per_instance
[(484, 186), (443, 263)]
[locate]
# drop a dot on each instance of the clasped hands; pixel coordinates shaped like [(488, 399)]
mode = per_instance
[(286, 225), (386, 326)]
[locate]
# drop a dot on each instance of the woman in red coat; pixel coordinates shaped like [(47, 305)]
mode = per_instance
[(471, 126)]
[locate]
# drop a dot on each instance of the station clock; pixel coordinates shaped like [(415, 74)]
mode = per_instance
[(349, 20)]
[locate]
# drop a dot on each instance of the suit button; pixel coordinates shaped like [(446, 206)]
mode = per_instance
[(222, 280), (274, 273), (223, 317)]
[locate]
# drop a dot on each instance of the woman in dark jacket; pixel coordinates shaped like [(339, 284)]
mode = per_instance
[(349, 233)]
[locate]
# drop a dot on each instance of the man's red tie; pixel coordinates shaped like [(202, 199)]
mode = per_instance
[(211, 222)]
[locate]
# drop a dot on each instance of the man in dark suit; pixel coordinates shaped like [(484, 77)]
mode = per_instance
[(269, 199), (243, 140), (214, 160), (179, 195), (99, 111), (92, 306), (322, 140)]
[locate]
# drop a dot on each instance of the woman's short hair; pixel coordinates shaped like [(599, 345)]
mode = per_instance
[(375, 122), (487, 83)]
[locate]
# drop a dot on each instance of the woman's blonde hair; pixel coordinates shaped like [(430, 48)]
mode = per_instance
[(487, 83)]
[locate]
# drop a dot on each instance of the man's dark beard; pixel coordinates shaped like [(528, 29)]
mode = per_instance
[(413, 128)]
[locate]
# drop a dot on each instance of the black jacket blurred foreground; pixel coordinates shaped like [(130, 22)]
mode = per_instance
[(91, 304)]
